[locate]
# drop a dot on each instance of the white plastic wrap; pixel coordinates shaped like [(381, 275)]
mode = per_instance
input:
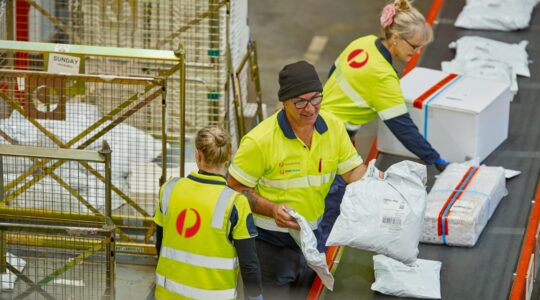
[(505, 15), (384, 215), (470, 48), (419, 281), (308, 243), (471, 209), (8, 278), (483, 68)]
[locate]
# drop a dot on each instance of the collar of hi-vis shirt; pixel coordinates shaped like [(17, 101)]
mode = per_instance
[(207, 178), (320, 125), (385, 53)]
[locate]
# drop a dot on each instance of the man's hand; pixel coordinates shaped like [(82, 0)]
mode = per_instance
[(282, 217)]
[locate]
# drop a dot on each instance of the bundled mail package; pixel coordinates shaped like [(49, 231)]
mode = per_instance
[(422, 280), (461, 203), (384, 215)]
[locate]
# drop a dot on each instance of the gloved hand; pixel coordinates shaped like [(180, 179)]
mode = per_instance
[(260, 297), (441, 164)]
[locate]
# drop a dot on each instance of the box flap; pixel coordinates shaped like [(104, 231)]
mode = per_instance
[(463, 93)]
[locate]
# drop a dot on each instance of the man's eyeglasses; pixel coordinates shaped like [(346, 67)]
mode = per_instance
[(414, 47), (302, 103)]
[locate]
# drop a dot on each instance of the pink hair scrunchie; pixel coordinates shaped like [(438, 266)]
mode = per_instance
[(387, 15)]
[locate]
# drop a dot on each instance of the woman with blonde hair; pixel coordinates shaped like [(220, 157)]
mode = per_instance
[(206, 233), (364, 85)]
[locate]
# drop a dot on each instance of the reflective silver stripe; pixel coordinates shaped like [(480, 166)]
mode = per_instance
[(166, 195), (348, 90), (204, 261), (393, 112), (242, 176), (221, 207), (270, 224), (191, 292), (300, 182), (349, 164)]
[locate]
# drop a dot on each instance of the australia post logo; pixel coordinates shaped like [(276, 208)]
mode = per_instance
[(289, 167), (188, 222), (357, 58)]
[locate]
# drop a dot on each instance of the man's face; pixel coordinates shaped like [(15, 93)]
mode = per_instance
[(304, 109)]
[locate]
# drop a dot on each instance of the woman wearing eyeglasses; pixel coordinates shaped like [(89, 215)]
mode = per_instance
[(363, 85)]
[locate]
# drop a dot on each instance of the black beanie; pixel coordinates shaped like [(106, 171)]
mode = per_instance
[(297, 79)]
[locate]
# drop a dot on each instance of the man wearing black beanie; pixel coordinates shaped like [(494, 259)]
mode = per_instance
[(289, 162)]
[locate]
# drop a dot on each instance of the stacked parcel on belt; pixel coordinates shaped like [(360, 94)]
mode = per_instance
[(461, 203)]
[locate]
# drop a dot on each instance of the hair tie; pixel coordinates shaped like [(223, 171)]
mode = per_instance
[(387, 15)]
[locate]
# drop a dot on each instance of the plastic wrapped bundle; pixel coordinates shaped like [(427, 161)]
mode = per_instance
[(460, 204), (504, 15), (384, 215), (419, 281)]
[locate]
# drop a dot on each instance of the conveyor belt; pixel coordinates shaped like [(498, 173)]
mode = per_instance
[(484, 271)]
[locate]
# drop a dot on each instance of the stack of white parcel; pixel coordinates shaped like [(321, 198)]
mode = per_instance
[(461, 203), (462, 117)]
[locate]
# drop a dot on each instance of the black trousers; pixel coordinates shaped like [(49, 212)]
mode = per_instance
[(284, 271)]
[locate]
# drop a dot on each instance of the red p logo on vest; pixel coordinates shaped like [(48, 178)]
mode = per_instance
[(357, 58), (181, 224)]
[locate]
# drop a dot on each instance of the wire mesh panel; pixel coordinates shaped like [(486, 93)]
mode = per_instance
[(79, 111), (53, 262), (201, 26)]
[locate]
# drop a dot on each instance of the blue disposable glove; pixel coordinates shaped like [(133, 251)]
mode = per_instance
[(260, 297), (441, 164)]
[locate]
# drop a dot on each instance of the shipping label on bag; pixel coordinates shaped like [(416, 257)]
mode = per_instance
[(394, 211)]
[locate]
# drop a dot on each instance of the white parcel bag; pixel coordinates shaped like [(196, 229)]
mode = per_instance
[(308, 243), (461, 202), (419, 281), (384, 215)]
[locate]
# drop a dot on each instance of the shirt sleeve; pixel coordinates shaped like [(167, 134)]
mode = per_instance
[(348, 156), (387, 98), (245, 226), (407, 133), (248, 163)]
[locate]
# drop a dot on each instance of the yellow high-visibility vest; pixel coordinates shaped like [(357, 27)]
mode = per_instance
[(197, 259)]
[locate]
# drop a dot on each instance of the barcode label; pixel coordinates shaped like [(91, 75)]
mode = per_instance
[(391, 221)]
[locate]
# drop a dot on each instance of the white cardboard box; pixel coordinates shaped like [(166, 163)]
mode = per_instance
[(466, 117)]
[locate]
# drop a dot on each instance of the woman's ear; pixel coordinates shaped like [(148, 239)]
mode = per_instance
[(198, 156)]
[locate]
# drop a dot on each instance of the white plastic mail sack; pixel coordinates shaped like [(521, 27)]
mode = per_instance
[(8, 278), (419, 281), (384, 215), (308, 243), (505, 15), (485, 68), (474, 47), (461, 202)]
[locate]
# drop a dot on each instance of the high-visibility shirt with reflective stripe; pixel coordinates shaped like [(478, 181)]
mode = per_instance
[(364, 84), (281, 168), (197, 259)]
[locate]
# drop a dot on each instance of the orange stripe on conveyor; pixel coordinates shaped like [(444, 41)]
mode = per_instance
[(419, 102), (332, 252), (518, 287)]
